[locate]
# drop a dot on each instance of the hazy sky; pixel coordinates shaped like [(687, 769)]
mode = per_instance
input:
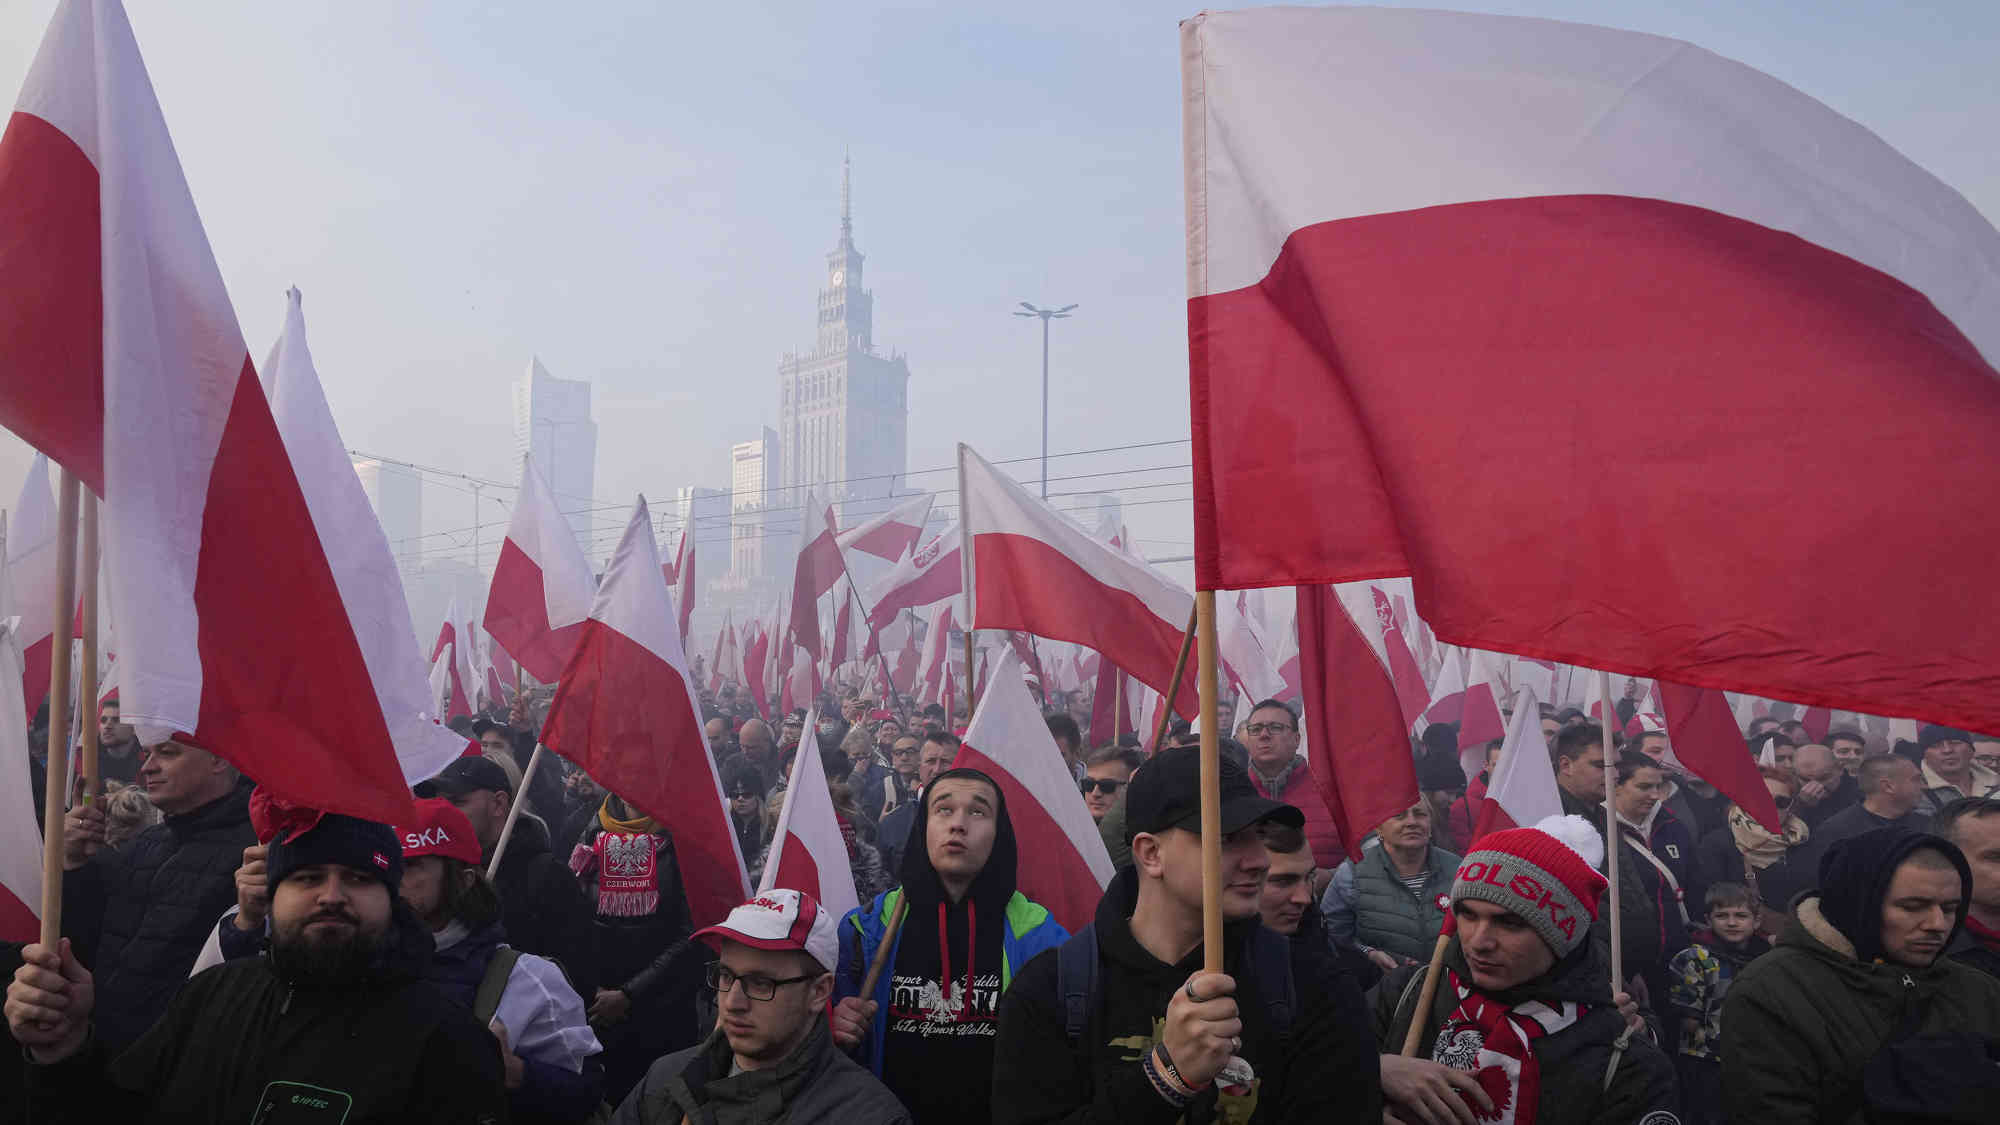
[(643, 195)]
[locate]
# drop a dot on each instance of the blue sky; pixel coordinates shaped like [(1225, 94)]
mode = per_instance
[(643, 194)]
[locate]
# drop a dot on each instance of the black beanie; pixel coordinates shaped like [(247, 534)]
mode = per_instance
[(1441, 738), (1854, 878), (349, 841), (1438, 769)]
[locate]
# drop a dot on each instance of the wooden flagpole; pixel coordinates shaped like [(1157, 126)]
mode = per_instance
[(1611, 835), (881, 959), (1174, 685), (514, 812), (55, 793), (1211, 789), (86, 698)]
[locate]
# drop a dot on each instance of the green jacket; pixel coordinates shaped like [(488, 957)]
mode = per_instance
[(1366, 904), (1802, 1021)]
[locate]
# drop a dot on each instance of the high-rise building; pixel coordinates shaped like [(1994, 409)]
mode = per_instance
[(705, 516), (397, 495), (843, 407), (752, 478), (552, 423)]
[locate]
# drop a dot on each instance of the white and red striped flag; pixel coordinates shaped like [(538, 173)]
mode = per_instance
[(541, 589), (625, 711), (684, 579), (121, 358), (31, 579), (808, 850), (923, 577), (726, 662), (364, 568), (1034, 568), (1352, 730), (890, 535), (1480, 722), (1522, 789), (817, 569), (1063, 861), (20, 839), (935, 661), (1657, 227), (459, 680), (1411, 693)]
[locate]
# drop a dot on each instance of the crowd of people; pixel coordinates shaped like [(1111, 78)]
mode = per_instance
[(226, 957)]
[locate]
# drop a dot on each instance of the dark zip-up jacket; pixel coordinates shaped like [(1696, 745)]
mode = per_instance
[(240, 1041), (543, 909), (139, 913), (814, 1084)]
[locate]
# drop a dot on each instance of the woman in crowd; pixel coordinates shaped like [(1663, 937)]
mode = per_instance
[(1774, 865)]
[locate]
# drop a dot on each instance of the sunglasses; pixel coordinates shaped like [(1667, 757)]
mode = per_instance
[(1105, 785)]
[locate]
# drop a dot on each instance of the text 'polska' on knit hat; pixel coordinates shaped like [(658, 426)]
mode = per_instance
[(1546, 874)]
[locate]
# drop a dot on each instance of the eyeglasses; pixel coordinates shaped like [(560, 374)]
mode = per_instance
[(1269, 728), (1105, 785), (747, 793), (756, 985)]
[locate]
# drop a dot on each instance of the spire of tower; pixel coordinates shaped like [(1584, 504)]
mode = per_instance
[(846, 199)]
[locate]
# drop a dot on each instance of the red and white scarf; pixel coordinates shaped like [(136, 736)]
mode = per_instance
[(1496, 1045), (627, 866)]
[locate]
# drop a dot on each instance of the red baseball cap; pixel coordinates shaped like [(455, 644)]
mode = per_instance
[(440, 829), (780, 919)]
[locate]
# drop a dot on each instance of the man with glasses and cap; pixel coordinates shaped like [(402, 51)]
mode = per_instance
[(1120, 1023), (770, 1057)]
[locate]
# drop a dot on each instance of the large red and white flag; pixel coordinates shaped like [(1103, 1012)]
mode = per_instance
[(31, 579), (121, 358), (541, 589), (817, 569), (808, 849), (350, 535), (1391, 245), (892, 534), (20, 840), (1522, 789), (1063, 861), (923, 577), (1353, 726), (625, 711), (1036, 569)]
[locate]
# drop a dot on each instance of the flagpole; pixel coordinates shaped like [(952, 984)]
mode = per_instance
[(1174, 686), (86, 700), (55, 792), (1611, 834), (1211, 789), (514, 812)]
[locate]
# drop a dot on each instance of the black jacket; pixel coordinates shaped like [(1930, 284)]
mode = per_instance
[(384, 1047), (814, 1085), (1573, 1061), (139, 913), (1641, 932), (542, 908), (1325, 1069)]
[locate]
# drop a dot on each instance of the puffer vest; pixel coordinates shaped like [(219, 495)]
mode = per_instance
[(1390, 918)]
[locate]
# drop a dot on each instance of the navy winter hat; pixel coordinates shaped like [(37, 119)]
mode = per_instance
[(349, 841)]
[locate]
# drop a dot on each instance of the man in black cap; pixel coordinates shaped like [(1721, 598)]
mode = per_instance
[(541, 907), (331, 1025), (1950, 774), (1121, 1024)]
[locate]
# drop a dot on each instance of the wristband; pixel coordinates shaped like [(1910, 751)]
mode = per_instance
[(1161, 1084), (1172, 1073)]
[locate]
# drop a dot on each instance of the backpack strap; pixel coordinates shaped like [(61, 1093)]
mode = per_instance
[(487, 1000), (1076, 982)]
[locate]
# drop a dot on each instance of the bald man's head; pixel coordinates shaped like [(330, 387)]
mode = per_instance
[(1814, 762), (756, 739)]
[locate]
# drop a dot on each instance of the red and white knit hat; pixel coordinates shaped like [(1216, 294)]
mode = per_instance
[(780, 919), (1546, 874)]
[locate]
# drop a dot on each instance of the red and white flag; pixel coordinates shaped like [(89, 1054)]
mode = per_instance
[(1411, 693), (1448, 693), (1353, 726), (923, 577), (684, 579), (1656, 227), (817, 569), (1480, 722), (625, 711), (726, 663), (933, 666), (453, 648), (121, 358), (1034, 568), (892, 534), (350, 535), (1522, 790), (20, 840), (541, 589), (1705, 739), (1063, 862), (31, 579), (808, 849)]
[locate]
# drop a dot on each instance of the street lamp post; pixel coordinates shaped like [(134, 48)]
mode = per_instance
[(1046, 315)]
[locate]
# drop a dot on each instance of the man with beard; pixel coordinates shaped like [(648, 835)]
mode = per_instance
[(331, 1025), (118, 754)]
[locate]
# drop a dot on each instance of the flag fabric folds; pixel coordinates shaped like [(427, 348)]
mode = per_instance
[(1033, 568), (541, 589), (1063, 861), (817, 569), (684, 579), (1522, 790), (121, 358), (890, 535), (921, 578), (1649, 231), (1702, 730), (20, 839), (625, 711), (808, 849), (1355, 739), (31, 579), (455, 648)]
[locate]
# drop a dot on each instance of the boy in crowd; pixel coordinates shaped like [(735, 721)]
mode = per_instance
[(1700, 976)]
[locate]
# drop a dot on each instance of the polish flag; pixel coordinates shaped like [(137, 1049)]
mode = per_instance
[(121, 358), (817, 569), (890, 535), (1063, 863), (1522, 789), (922, 578), (1705, 738), (725, 663), (1244, 660), (499, 662), (1480, 722), (808, 850), (684, 578), (20, 840), (1817, 720), (1448, 694), (909, 654), (1364, 772), (1036, 569), (364, 568), (458, 669), (1405, 224), (625, 711), (31, 578), (932, 665), (541, 589), (1411, 694), (757, 641)]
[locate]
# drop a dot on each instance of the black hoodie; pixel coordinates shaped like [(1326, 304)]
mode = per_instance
[(938, 1054)]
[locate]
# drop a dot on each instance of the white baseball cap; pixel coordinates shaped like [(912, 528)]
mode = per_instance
[(780, 919)]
